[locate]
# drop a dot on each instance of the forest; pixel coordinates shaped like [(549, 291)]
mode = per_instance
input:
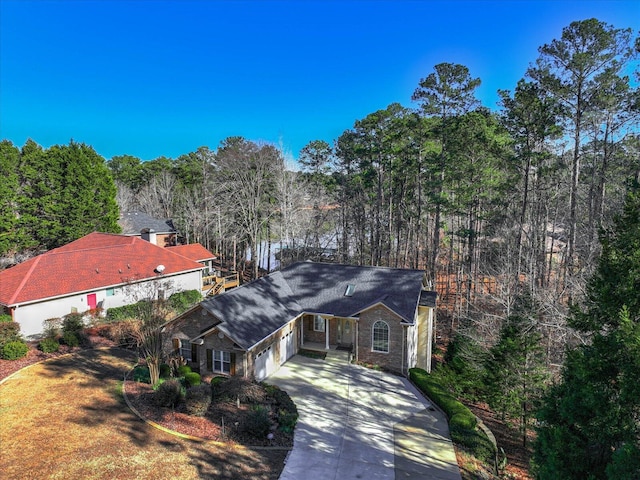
[(525, 218)]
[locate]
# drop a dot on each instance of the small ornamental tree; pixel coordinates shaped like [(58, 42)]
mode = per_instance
[(150, 316)]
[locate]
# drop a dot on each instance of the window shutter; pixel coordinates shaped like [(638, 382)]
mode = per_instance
[(194, 353), (232, 369), (209, 360), (176, 344)]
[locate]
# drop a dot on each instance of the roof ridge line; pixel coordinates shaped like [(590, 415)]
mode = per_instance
[(24, 279)]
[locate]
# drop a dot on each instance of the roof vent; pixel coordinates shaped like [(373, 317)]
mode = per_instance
[(160, 268), (350, 289)]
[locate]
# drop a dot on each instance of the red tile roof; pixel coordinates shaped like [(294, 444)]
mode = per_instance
[(193, 251), (95, 261)]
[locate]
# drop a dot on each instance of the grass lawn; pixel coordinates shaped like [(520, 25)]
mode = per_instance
[(65, 418)]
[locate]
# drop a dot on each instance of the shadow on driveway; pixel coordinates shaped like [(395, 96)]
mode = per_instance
[(357, 423)]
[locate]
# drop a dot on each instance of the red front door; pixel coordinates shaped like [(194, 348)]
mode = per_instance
[(91, 301)]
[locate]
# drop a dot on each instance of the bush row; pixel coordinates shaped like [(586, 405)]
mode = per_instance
[(462, 422), (182, 301), (125, 312), (179, 303)]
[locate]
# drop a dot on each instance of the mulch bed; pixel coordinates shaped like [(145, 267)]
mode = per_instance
[(7, 367), (208, 427)]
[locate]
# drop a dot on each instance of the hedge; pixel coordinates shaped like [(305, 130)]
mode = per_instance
[(183, 301), (125, 312), (462, 422)]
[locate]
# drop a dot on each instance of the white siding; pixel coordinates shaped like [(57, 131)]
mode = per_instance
[(31, 316)]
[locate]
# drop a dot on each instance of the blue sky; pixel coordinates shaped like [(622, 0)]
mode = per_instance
[(151, 78)]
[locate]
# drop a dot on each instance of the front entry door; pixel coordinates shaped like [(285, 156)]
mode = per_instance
[(91, 301), (345, 331)]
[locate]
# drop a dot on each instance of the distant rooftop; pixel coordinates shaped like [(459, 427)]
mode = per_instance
[(132, 223)]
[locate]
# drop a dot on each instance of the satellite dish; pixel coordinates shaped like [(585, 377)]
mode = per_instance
[(160, 268)]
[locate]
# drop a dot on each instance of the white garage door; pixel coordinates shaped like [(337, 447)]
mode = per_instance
[(265, 363), (286, 347)]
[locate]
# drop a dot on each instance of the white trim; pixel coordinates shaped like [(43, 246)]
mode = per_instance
[(373, 329), (96, 289)]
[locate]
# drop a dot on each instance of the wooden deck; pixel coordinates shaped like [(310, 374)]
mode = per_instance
[(213, 284)]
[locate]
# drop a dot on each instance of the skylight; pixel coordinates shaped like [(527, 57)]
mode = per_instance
[(350, 289)]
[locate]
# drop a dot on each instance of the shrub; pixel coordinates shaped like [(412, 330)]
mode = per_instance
[(4, 318), (141, 374), (71, 339), (215, 386), (198, 399), (72, 323), (121, 332), (49, 345), (183, 370), (126, 312), (168, 394), (239, 388), (192, 379), (51, 327), (182, 301), (286, 408), (215, 381), (72, 326), (9, 332), (175, 362), (257, 422), (14, 350), (165, 370)]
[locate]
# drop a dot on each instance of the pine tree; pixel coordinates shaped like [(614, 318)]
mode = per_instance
[(515, 373), (590, 421)]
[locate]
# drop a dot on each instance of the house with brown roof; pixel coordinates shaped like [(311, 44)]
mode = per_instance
[(99, 270), (383, 316)]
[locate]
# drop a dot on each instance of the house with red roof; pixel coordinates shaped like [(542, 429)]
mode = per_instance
[(98, 270)]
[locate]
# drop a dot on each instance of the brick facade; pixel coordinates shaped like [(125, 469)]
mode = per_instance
[(393, 360), (310, 335)]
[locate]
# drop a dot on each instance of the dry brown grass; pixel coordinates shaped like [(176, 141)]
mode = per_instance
[(65, 418)]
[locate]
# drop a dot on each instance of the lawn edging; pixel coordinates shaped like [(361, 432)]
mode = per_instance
[(161, 427)]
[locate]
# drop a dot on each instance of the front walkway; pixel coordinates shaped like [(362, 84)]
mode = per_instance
[(357, 423)]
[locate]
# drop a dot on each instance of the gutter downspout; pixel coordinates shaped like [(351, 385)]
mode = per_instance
[(404, 334)]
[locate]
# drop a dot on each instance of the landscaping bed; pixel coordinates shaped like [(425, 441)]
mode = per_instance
[(66, 418), (209, 427)]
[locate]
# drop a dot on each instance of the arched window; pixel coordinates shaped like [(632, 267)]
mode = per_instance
[(380, 334)]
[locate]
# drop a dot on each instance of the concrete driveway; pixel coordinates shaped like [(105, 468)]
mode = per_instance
[(357, 423)]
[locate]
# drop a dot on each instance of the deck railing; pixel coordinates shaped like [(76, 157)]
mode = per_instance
[(214, 284)]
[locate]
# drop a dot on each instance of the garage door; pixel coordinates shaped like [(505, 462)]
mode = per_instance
[(265, 363), (286, 347)]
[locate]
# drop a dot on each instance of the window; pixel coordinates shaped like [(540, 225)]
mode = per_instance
[(111, 292), (318, 323), (221, 361), (380, 335), (350, 289), (185, 349)]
